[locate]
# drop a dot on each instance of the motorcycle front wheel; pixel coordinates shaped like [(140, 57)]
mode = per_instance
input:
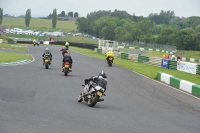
[(94, 99), (80, 99)]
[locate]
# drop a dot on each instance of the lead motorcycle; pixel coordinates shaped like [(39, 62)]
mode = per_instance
[(91, 93), (110, 61)]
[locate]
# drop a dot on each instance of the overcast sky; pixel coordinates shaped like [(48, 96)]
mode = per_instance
[(40, 8)]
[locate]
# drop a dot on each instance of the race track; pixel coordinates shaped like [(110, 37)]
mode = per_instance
[(36, 100)]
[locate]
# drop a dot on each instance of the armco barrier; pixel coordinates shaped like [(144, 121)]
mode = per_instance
[(143, 59), (124, 56), (173, 64), (184, 85), (80, 45)]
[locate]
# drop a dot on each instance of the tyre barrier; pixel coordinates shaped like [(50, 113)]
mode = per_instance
[(173, 64), (198, 69), (124, 56), (143, 59)]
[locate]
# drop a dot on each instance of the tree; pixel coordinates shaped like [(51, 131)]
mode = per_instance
[(54, 18), (70, 14), (1, 15), (76, 14), (82, 25), (121, 14), (28, 17), (162, 18), (50, 16), (167, 36), (105, 26), (62, 14)]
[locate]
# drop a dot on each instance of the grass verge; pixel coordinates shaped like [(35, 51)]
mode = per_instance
[(7, 57), (144, 69), (14, 46)]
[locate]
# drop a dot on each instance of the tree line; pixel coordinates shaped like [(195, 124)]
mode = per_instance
[(162, 28), (63, 14)]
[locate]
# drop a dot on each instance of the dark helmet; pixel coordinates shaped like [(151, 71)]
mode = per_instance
[(102, 74)]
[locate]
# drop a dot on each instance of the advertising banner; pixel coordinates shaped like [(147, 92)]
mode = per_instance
[(187, 67), (165, 63), (46, 42)]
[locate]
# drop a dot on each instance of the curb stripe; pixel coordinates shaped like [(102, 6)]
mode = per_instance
[(183, 85)]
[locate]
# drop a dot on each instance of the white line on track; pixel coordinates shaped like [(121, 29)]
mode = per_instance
[(32, 60)]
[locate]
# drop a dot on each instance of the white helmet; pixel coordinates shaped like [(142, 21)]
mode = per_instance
[(47, 49)]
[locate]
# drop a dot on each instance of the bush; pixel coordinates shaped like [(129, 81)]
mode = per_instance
[(10, 41)]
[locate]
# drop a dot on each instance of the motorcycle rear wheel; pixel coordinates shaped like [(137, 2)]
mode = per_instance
[(46, 65)]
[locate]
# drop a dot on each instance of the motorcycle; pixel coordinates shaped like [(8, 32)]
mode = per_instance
[(46, 61), (35, 43), (91, 93), (66, 68), (110, 61)]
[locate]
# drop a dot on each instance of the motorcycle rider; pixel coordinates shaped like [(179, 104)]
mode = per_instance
[(67, 45), (47, 53), (67, 58), (109, 54), (34, 41), (99, 80), (64, 50)]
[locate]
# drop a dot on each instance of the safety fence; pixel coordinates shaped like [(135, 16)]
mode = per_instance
[(75, 44)]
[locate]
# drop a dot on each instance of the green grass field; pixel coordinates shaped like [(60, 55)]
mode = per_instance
[(147, 70), (14, 46), (39, 24), (7, 57), (78, 39)]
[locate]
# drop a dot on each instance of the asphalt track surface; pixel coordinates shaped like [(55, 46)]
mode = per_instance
[(36, 100)]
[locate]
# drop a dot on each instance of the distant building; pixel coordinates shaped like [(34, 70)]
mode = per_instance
[(67, 18)]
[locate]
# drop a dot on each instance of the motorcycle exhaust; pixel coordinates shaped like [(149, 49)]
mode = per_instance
[(100, 100)]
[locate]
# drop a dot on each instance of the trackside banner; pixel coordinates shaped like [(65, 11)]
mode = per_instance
[(165, 63), (46, 42), (187, 67)]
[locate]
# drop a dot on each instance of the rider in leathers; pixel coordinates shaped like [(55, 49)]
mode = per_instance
[(100, 80), (48, 53), (67, 58)]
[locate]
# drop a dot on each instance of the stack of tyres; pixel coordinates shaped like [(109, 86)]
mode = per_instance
[(124, 56), (173, 64), (99, 51), (143, 59), (198, 69)]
